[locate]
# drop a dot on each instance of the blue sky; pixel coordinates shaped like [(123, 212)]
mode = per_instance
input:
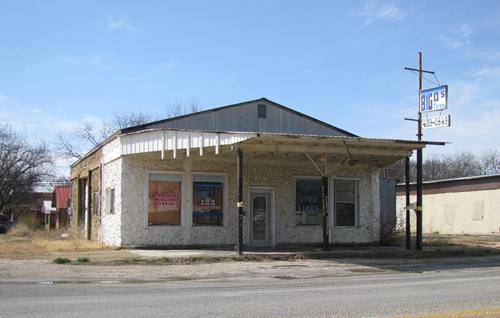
[(66, 62)]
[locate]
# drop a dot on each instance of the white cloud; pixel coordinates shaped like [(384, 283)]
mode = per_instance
[(96, 61), (121, 24), (145, 87), (465, 30), (490, 55), (136, 78), (488, 72), (459, 38), (372, 12), (452, 42)]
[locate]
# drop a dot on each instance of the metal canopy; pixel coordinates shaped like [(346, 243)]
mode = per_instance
[(355, 150)]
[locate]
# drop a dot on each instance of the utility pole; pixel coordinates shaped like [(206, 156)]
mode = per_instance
[(418, 209), (419, 158)]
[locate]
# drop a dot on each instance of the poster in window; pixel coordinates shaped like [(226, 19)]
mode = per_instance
[(208, 203), (308, 201), (164, 202)]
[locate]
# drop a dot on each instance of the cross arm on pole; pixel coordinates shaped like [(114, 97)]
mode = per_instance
[(417, 70)]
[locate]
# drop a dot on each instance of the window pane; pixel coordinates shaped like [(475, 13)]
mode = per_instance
[(208, 200), (344, 196), (112, 201), (308, 201), (259, 218), (345, 185), (345, 214), (345, 202), (164, 199)]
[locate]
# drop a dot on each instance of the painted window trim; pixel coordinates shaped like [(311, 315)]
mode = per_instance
[(182, 174), (296, 178), (356, 203), (225, 199)]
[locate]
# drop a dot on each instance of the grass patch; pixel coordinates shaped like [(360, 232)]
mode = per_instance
[(198, 260), (61, 260), (52, 242), (83, 259)]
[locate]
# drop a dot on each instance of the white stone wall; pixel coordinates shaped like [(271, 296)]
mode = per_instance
[(111, 223), (368, 229), (111, 179), (278, 175)]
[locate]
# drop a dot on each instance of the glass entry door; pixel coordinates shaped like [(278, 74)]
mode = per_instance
[(260, 225)]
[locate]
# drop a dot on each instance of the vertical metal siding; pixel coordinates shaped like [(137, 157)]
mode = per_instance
[(244, 118)]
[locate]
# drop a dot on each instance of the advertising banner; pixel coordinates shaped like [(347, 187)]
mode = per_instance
[(164, 202), (208, 203)]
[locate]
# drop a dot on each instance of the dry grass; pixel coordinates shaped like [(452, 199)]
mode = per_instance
[(470, 313), (22, 242)]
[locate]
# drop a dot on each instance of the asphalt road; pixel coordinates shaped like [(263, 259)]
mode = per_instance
[(374, 295)]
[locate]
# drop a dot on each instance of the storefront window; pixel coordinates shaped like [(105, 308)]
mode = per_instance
[(308, 202), (346, 202), (164, 199), (208, 200)]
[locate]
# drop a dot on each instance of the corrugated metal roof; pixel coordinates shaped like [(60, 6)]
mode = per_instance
[(243, 117), (61, 196), (488, 176)]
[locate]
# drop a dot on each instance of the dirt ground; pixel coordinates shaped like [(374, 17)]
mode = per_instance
[(30, 258)]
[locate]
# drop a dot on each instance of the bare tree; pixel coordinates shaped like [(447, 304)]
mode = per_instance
[(490, 162), (458, 165), (22, 167), (463, 164), (129, 119), (179, 108), (91, 134)]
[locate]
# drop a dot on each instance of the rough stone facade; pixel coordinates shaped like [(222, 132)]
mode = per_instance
[(85, 169), (128, 175)]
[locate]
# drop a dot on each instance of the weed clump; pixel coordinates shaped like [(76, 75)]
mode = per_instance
[(83, 259), (61, 260)]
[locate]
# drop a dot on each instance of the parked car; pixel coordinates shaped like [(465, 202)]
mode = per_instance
[(4, 223)]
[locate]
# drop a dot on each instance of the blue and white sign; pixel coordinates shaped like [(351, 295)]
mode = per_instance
[(436, 122), (434, 99)]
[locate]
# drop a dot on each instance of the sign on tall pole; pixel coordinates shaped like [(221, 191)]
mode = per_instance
[(419, 158), (429, 101)]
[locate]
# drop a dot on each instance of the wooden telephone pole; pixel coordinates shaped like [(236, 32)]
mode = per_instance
[(418, 209)]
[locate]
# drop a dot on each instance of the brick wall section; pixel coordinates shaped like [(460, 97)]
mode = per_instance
[(89, 165)]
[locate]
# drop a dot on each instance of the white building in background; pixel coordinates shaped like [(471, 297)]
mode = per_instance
[(456, 206)]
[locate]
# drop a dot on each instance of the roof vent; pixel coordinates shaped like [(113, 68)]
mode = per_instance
[(261, 111)]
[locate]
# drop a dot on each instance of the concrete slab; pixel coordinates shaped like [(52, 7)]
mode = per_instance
[(181, 253)]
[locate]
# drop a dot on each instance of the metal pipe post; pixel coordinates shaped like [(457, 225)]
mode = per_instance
[(240, 202), (408, 225), (324, 203)]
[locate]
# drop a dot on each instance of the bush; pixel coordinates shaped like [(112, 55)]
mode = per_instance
[(83, 259), (61, 260)]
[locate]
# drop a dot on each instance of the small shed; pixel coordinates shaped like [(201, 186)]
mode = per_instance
[(49, 211), (61, 197)]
